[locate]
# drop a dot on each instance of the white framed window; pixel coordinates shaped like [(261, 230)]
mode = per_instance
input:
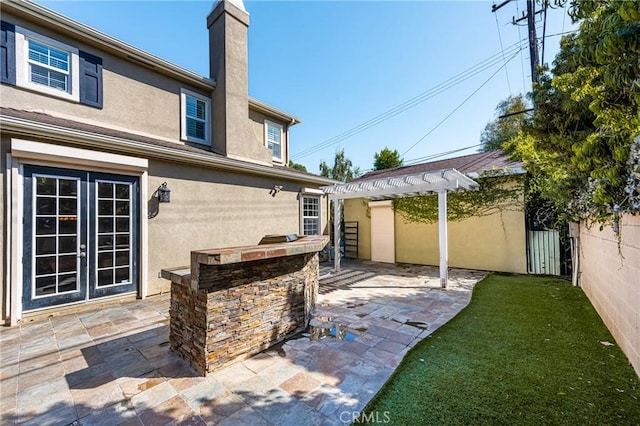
[(195, 117), (47, 65), (310, 212), (273, 138)]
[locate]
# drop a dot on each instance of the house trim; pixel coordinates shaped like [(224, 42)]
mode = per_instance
[(270, 123), (184, 93), (22, 65), (95, 140), (273, 112), (311, 193), (108, 43), (131, 53)]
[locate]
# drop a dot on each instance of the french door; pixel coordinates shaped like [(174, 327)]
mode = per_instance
[(80, 236)]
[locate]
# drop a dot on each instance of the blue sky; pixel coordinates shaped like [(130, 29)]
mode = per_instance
[(337, 65)]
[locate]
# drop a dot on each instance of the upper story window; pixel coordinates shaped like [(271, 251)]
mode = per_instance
[(274, 136), (47, 65), (42, 64), (195, 117)]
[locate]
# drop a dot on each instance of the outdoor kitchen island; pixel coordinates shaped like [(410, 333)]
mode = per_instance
[(235, 302)]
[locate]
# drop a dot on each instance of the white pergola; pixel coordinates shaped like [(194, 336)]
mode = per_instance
[(411, 185)]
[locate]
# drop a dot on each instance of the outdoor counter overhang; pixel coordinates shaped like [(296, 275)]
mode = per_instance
[(440, 182)]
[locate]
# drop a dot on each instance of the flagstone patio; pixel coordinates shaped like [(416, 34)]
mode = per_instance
[(114, 366)]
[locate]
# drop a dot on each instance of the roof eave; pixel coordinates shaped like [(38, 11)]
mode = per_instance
[(32, 128), (106, 42), (269, 110)]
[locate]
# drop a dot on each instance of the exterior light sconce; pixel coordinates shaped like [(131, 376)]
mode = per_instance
[(273, 191), (164, 194)]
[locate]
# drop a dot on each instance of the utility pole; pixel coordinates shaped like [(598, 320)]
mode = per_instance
[(531, 24), (533, 43)]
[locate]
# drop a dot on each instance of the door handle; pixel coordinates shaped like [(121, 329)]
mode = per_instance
[(82, 254), (83, 246)]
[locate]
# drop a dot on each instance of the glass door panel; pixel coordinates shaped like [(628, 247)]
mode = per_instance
[(53, 231), (115, 231)]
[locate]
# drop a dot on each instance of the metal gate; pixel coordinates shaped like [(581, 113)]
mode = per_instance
[(544, 252)]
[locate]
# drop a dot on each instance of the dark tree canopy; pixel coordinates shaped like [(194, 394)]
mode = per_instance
[(501, 130), (297, 166), (387, 159), (579, 148), (342, 170)]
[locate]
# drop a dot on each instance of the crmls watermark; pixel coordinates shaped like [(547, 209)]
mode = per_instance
[(374, 417)]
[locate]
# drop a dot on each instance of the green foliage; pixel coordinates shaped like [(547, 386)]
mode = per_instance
[(387, 159), (498, 193), (633, 181), (297, 166), (342, 170), (578, 146), (501, 130)]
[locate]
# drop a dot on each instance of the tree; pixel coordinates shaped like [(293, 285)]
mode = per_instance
[(297, 166), (342, 170), (387, 159), (578, 145), (501, 130)]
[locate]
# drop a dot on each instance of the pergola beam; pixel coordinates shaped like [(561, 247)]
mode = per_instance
[(389, 191), (439, 181)]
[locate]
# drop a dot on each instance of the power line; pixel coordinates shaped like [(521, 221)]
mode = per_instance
[(544, 33), (506, 71), (561, 34), (422, 97), (431, 157), (440, 154), (533, 42), (460, 105), (481, 66)]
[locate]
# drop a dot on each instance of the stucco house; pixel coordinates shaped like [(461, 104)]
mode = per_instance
[(495, 242), (116, 163)]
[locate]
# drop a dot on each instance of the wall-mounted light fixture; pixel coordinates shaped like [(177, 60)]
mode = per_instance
[(164, 194), (273, 191)]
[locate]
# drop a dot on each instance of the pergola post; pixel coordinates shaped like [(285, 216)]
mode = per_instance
[(336, 235), (442, 236)]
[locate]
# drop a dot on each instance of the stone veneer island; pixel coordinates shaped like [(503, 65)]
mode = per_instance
[(235, 302)]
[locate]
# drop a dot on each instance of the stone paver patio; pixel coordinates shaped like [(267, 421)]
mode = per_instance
[(114, 366)]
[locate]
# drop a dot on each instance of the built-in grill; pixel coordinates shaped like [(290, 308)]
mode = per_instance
[(279, 238)]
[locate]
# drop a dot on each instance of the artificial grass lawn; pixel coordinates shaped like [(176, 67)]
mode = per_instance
[(527, 350)]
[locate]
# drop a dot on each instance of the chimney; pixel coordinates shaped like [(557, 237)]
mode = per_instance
[(232, 135)]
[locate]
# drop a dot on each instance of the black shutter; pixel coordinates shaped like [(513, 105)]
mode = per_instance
[(7, 53), (90, 80)]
